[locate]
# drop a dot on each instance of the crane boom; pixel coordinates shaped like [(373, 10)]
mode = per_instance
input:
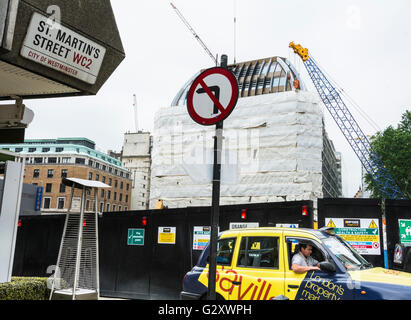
[(358, 141), (194, 33)]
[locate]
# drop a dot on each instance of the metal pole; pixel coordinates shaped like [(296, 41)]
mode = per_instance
[(215, 203), (384, 233), (79, 243)]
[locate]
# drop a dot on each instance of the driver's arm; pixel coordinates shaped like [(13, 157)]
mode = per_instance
[(300, 269)]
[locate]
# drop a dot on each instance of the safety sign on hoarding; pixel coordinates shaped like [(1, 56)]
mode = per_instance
[(362, 234), (405, 230), (212, 96), (135, 237), (201, 236), (167, 235)]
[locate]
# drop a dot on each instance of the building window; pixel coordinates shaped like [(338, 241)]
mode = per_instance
[(115, 196), (80, 161), (108, 194), (97, 165), (114, 207), (45, 149), (125, 208), (115, 183), (36, 173), (32, 149), (109, 181), (121, 185), (62, 188), (38, 160), (90, 175), (103, 179), (60, 203), (97, 177), (50, 173), (143, 203), (119, 208), (127, 186), (52, 160), (103, 168), (46, 203), (121, 197), (18, 150), (59, 149), (102, 193), (126, 197), (90, 163), (101, 206), (87, 205), (107, 207), (48, 187), (65, 160), (64, 173)]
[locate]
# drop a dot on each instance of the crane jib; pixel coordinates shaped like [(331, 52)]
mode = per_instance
[(358, 141)]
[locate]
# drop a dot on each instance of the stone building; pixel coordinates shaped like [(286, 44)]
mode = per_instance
[(47, 161), (136, 157)]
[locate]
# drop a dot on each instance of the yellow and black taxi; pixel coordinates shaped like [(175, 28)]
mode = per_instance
[(255, 264)]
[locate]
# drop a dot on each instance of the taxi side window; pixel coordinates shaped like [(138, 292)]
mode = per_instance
[(293, 247), (225, 249), (258, 252)]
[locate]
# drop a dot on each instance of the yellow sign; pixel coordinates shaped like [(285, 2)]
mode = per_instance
[(331, 224), (373, 225), (167, 235)]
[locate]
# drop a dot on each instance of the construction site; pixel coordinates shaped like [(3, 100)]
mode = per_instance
[(241, 144)]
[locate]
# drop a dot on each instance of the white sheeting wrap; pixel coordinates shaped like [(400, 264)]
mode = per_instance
[(271, 152)]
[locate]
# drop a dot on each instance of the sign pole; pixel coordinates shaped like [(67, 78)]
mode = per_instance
[(215, 203)]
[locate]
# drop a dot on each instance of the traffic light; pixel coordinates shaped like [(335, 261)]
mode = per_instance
[(304, 211), (243, 214)]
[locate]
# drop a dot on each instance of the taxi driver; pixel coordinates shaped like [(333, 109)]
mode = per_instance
[(302, 261)]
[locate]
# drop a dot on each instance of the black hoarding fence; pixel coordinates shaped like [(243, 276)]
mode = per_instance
[(145, 254), (396, 210), (349, 213), (37, 245)]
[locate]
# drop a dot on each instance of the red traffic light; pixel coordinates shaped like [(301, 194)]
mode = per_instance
[(19, 223), (84, 223), (305, 211), (243, 214), (144, 221)]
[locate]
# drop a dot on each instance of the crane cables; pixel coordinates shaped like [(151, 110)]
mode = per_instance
[(341, 91)]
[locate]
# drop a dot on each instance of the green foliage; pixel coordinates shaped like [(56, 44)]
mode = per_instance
[(394, 148), (25, 288)]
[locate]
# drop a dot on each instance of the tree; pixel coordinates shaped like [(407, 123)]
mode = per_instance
[(394, 148)]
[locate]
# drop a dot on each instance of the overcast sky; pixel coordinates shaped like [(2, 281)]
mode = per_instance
[(364, 45)]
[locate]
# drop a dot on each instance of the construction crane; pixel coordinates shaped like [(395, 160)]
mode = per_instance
[(329, 94), (194, 33)]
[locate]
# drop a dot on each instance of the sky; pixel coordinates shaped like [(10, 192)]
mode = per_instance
[(364, 45)]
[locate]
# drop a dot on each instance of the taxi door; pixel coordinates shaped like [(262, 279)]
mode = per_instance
[(258, 267)]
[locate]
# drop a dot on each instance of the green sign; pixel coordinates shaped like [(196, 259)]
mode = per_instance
[(405, 230), (135, 237)]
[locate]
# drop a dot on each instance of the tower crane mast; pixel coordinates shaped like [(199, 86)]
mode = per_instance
[(358, 141), (194, 33)]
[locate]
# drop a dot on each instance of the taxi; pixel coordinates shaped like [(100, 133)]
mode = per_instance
[(255, 264)]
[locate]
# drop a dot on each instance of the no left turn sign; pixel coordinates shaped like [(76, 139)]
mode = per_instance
[(212, 96)]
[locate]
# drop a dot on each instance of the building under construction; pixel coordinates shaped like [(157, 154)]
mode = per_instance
[(275, 145)]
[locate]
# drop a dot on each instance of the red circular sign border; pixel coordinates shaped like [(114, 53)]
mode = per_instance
[(230, 107)]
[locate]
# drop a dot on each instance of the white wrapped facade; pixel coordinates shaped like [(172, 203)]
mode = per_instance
[(272, 151)]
